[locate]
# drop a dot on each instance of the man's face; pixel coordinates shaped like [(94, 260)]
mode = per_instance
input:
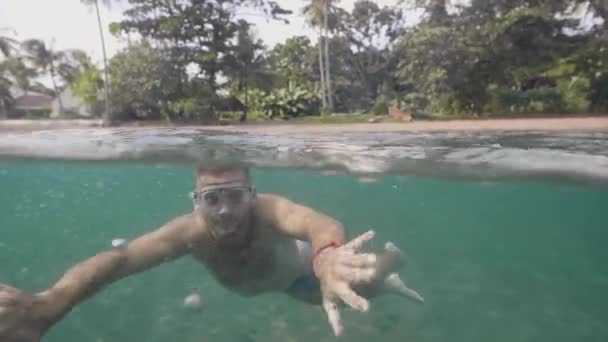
[(225, 200)]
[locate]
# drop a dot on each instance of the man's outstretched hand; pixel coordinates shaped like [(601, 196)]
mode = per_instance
[(343, 269), (23, 317)]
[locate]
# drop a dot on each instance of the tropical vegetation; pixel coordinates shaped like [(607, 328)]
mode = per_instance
[(200, 60)]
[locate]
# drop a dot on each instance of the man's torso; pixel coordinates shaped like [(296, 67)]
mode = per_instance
[(270, 262)]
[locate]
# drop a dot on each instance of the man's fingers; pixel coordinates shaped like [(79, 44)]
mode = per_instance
[(352, 299), (394, 284), (333, 315), (357, 275), (356, 243), (361, 260)]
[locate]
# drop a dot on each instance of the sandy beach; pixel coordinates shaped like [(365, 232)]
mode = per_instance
[(548, 124), (38, 125), (592, 123)]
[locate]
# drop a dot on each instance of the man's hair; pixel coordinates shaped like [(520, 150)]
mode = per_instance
[(218, 171)]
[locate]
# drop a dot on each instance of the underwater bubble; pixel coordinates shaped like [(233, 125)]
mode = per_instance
[(118, 242), (193, 301), (367, 180), (329, 173)]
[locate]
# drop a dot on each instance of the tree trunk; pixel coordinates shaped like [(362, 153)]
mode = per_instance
[(243, 117), (322, 69), (330, 98), (3, 110), (107, 117), (57, 93), (438, 11)]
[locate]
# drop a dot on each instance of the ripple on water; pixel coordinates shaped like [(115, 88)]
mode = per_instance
[(580, 156)]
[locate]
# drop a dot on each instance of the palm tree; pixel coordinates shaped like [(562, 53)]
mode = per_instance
[(318, 13), (46, 60), (6, 97), (330, 93), (107, 118), (21, 74), (7, 44)]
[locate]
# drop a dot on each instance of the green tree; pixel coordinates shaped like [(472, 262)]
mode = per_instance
[(294, 61), (144, 83), (436, 11), (247, 65), (370, 28), (492, 44), (199, 33), (87, 85)]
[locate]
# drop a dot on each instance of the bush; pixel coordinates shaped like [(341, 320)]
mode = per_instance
[(325, 112), (285, 103), (413, 102), (575, 93), (543, 100), (446, 104), (380, 106), (194, 109)]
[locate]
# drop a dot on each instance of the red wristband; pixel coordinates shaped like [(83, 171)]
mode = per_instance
[(331, 244)]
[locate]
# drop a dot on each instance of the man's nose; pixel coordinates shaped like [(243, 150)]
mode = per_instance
[(224, 211)]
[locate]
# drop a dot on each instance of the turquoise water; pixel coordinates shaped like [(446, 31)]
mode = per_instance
[(497, 259)]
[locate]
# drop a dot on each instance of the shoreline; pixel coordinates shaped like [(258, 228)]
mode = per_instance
[(596, 124), (589, 123)]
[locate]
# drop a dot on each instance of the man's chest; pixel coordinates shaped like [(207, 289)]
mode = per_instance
[(259, 267)]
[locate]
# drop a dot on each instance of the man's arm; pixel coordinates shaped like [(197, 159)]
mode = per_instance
[(174, 239), (301, 222), (338, 268)]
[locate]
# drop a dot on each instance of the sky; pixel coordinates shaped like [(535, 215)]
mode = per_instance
[(68, 24)]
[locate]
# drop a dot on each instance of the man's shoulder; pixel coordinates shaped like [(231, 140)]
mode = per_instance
[(272, 204), (267, 205), (267, 201), (185, 219), (267, 197), (189, 222)]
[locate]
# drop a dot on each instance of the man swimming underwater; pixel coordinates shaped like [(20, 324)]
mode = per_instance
[(251, 243)]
